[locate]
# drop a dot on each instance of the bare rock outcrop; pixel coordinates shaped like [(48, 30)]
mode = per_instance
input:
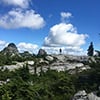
[(81, 95), (42, 52), (11, 50)]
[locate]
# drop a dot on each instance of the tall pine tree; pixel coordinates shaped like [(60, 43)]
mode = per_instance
[(90, 50)]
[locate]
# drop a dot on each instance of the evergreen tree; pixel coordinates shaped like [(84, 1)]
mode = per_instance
[(6, 96), (90, 49)]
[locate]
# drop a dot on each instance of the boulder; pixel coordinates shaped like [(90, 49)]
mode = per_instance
[(60, 58), (42, 52), (80, 95), (30, 62), (92, 59), (92, 96), (49, 58)]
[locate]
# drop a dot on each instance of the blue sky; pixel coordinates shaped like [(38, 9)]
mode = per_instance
[(50, 24)]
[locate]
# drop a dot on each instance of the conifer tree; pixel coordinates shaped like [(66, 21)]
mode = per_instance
[(90, 50)]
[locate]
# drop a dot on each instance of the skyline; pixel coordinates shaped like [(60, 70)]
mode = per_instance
[(50, 25)]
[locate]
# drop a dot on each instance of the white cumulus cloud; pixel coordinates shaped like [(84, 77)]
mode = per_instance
[(3, 44), (65, 35), (32, 48), (18, 18), (65, 16), (65, 50), (19, 3)]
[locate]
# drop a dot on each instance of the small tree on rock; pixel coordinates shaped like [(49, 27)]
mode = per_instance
[(90, 50)]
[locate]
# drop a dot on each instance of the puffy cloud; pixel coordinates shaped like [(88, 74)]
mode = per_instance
[(51, 50), (65, 16), (20, 3), (65, 35), (3, 44), (65, 50), (22, 46), (18, 18), (27, 47)]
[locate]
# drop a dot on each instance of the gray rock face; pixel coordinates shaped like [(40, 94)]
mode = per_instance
[(70, 63), (42, 52), (11, 49), (92, 96), (49, 58), (60, 58), (80, 95)]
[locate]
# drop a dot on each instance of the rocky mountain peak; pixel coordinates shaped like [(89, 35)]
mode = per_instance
[(42, 52), (11, 49), (12, 45)]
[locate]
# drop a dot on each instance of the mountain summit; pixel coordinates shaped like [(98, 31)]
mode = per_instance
[(11, 49)]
